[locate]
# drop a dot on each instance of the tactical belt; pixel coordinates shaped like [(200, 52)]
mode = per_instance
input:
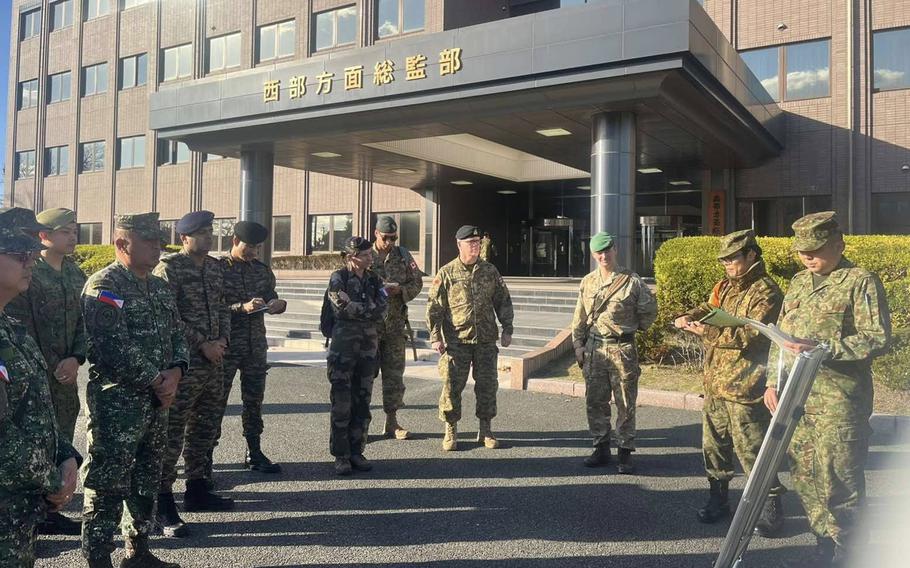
[(624, 338)]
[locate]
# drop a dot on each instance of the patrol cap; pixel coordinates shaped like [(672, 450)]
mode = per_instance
[(735, 242), (23, 218), (56, 218), (250, 232), (144, 225), (192, 222), (813, 231), (386, 224), (12, 237), (601, 241), (355, 245), (467, 232)]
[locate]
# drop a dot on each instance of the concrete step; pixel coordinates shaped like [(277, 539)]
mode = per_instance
[(296, 320), (318, 344), (517, 298)]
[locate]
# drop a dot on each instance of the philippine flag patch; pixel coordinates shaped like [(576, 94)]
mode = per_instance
[(111, 299), (4, 373)]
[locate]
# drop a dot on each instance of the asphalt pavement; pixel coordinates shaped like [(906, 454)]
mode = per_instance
[(530, 503)]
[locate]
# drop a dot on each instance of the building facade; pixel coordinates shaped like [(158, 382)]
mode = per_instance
[(111, 111)]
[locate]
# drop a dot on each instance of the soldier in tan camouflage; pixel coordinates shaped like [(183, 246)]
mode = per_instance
[(403, 282), (466, 298), (835, 302), (613, 303), (735, 418)]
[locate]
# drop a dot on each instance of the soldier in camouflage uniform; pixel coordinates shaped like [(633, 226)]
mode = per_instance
[(403, 282), (138, 355), (835, 302), (466, 297), (359, 304), (249, 292), (735, 418), (51, 311), (196, 279), (38, 466), (613, 303)]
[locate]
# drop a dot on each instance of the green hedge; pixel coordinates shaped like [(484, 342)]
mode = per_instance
[(312, 262), (686, 269), (92, 258)]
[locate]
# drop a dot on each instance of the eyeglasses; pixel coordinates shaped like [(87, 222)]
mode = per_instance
[(472, 243), (730, 259), (25, 258)]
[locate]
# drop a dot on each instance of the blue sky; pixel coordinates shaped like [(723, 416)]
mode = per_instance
[(5, 14)]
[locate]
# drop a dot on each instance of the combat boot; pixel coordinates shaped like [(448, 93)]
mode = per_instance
[(57, 523), (168, 518), (99, 562), (256, 460), (393, 429), (772, 518), (600, 456), (625, 462), (343, 466), (360, 463), (450, 440), (138, 555), (717, 506), (485, 434), (198, 498), (209, 475)]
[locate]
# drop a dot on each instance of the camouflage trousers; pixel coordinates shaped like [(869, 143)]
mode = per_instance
[(730, 428), (66, 405), (126, 441), (611, 371), (827, 469), (459, 360), (19, 515), (351, 370), (392, 347), (253, 369), (193, 421)]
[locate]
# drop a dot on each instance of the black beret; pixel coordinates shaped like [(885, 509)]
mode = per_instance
[(355, 245), (467, 232), (386, 224), (192, 222), (250, 232)]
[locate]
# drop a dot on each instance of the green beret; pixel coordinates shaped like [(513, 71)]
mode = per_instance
[(467, 232), (250, 232), (601, 241), (386, 224), (735, 242), (814, 230), (144, 225), (56, 218)]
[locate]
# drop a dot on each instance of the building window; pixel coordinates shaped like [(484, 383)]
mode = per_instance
[(223, 231), (328, 233), (764, 65), (31, 24), (281, 234), (25, 164), (56, 161), (808, 66), (224, 52), (178, 62), (126, 4), (131, 152), (59, 88), (277, 40), (212, 157), (399, 17), (94, 79), (336, 28), (891, 213), (95, 8), (171, 152), (90, 233), (61, 14), (133, 71), (408, 228), (92, 157), (890, 61), (168, 230), (28, 94), (773, 217)]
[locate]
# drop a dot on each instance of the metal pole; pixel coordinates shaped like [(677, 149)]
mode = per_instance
[(613, 180), (256, 187)]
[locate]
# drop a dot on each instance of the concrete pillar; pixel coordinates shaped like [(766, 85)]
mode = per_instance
[(613, 180), (256, 188)]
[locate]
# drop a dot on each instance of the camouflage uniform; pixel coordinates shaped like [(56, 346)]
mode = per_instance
[(464, 303), (849, 312), (398, 266), (611, 359), (352, 357), (486, 249), (196, 413), (127, 347), (51, 311)]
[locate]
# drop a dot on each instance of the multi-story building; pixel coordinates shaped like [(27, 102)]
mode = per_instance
[(536, 119)]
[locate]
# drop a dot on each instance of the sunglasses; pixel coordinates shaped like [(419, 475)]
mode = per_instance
[(25, 258), (389, 238), (730, 259)]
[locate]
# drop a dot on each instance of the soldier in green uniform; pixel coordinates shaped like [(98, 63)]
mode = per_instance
[(51, 311), (735, 419), (403, 282), (138, 355), (466, 298), (613, 303), (249, 292), (197, 282), (38, 465), (835, 302)]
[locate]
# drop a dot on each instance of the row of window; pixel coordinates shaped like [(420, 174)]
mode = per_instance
[(130, 154), (133, 73)]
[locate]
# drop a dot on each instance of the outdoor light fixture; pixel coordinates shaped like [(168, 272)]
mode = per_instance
[(905, 168), (781, 27), (506, 192), (554, 132), (650, 171), (326, 155), (462, 182), (404, 171), (680, 182), (588, 187)]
